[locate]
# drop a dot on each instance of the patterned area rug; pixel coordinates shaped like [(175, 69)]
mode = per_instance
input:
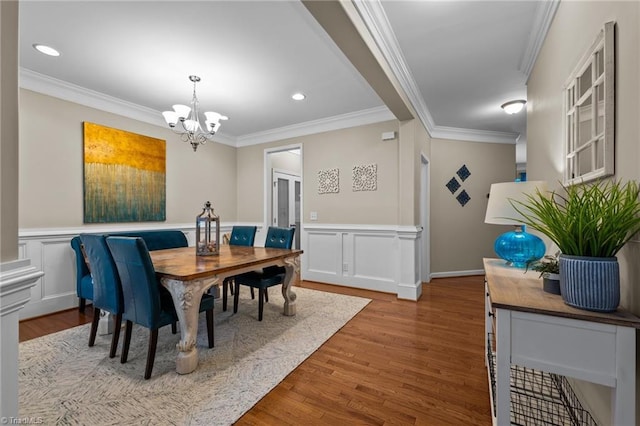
[(63, 381)]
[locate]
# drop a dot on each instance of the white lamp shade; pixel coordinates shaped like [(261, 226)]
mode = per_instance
[(499, 208), (170, 117), (191, 125), (182, 111), (212, 127)]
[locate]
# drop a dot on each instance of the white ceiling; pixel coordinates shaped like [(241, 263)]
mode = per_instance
[(458, 60)]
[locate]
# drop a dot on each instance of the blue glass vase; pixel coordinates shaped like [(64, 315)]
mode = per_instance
[(518, 247)]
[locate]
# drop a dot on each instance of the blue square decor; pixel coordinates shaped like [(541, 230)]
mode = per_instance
[(463, 172), (453, 185), (463, 198)]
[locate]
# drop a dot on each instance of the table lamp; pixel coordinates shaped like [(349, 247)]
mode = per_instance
[(517, 247)]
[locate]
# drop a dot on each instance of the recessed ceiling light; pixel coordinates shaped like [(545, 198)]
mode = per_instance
[(47, 50), (298, 96)]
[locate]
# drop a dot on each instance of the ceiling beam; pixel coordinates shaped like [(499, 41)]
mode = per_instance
[(344, 25)]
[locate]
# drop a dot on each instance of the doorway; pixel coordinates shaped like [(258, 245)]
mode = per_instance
[(425, 246), (283, 189)]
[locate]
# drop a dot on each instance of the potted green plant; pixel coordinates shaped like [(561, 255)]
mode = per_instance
[(589, 223), (549, 268)]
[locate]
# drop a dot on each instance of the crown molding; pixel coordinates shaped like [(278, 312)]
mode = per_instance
[(472, 135), (352, 119), (376, 21), (50, 86), (545, 12)]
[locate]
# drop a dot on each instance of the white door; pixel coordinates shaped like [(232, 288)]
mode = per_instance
[(286, 202)]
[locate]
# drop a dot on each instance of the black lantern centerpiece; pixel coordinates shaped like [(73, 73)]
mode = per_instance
[(207, 232)]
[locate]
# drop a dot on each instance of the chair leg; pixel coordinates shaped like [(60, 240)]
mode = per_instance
[(260, 303), (225, 287), (235, 297), (117, 320), (127, 341), (174, 328), (82, 304), (151, 353), (253, 296), (94, 326), (266, 295), (231, 289), (210, 327)]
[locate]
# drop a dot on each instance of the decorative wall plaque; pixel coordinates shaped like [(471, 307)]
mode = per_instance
[(328, 181), (365, 178)]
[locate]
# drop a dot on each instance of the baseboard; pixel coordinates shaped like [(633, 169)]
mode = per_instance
[(450, 274)]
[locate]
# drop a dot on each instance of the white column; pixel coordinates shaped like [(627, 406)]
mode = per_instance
[(16, 279), (409, 282)]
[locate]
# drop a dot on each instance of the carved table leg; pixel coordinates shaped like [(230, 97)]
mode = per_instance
[(186, 298), (292, 267)]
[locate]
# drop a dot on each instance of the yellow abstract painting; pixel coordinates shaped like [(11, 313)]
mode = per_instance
[(124, 176)]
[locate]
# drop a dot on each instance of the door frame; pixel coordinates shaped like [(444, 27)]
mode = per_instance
[(425, 214), (268, 186)]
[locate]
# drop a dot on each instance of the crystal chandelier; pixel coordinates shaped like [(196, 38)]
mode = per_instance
[(191, 131)]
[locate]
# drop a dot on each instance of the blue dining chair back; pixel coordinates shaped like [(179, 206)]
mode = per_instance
[(84, 282), (107, 290), (139, 284), (240, 236), (269, 276), (143, 302), (279, 237)]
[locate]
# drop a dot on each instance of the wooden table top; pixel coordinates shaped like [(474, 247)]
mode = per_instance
[(513, 289), (183, 264)]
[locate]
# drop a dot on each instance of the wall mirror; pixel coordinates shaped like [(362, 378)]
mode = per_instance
[(589, 103)]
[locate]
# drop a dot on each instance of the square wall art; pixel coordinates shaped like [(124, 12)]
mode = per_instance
[(328, 181), (365, 178), (124, 176)]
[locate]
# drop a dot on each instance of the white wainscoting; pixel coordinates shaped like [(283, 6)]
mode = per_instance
[(381, 258), (50, 252)]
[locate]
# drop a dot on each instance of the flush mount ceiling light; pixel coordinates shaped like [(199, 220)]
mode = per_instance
[(47, 50), (298, 96), (191, 130), (513, 107)]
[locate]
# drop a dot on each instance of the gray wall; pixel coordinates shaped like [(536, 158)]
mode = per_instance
[(459, 236), (572, 32), (51, 166)]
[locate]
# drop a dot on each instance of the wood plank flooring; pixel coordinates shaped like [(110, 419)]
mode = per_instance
[(395, 363)]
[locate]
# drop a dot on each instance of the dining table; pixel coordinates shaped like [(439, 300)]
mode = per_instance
[(188, 276)]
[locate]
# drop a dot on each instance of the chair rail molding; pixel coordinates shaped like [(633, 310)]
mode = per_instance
[(373, 257), (16, 279), (50, 251)]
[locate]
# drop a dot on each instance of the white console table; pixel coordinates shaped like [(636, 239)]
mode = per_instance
[(536, 330)]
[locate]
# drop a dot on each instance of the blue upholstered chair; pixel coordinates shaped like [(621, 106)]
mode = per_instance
[(155, 240), (269, 276), (143, 304), (107, 291), (240, 236), (84, 284)]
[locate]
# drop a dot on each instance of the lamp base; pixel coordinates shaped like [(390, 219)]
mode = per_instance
[(518, 247)]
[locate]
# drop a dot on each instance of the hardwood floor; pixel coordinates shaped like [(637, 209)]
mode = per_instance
[(396, 362)]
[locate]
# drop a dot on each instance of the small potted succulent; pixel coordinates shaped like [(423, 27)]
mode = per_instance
[(549, 268)]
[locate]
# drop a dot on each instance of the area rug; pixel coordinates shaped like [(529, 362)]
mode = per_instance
[(63, 381)]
